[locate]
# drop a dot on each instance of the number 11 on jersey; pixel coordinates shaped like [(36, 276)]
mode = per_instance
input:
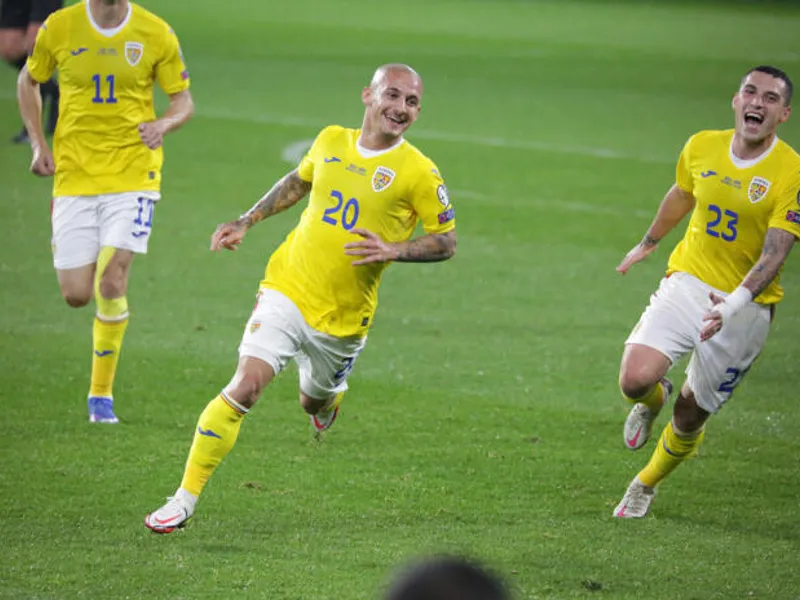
[(98, 92)]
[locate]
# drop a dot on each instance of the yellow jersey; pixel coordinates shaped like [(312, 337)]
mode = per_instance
[(106, 79), (736, 202), (385, 192)]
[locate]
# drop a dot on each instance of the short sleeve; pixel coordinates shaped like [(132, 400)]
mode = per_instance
[(786, 214), (305, 169), (171, 72), (683, 172), (431, 202), (42, 61)]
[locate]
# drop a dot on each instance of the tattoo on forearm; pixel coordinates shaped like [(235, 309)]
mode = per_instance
[(287, 192), (429, 248), (777, 245), (648, 240)]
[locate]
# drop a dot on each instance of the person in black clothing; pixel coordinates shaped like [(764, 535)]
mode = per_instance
[(447, 578), (19, 22)]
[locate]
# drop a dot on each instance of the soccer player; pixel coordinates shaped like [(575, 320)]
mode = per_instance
[(107, 156), (742, 187), (19, 23), (368, 189)]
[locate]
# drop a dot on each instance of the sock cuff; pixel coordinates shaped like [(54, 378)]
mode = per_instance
[(107, 319), (233, 404)]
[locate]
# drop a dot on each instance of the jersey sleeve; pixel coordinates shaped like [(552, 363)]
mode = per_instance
[(431, 202), (42, 61), (306, 167), (786, 214), (171, 72), (683, 172)]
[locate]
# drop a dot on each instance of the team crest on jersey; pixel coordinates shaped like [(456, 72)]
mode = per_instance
[(255, 325), (133, 53), (758, 189), (382, 178)]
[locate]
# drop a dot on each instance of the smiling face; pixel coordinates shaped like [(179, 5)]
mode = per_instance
[(760, 106), (392, 101)]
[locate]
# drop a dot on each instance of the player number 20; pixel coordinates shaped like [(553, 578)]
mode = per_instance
[(715, 228), (349, 211)]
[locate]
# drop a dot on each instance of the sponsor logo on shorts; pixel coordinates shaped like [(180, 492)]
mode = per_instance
[(255, 325), (382, 178), (793, 216), (133, 52), (758, 189), (447, 215)]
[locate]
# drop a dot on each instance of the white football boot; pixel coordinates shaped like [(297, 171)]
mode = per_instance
[(636, 502), (173, 515), (639, 424)]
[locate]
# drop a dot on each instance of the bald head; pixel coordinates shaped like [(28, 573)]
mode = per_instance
[(387, 71)]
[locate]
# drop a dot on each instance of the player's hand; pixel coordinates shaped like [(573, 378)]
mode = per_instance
[(43, 163), (228, 236), (152, 134), (372, 248), (713, 318), (637, 254)]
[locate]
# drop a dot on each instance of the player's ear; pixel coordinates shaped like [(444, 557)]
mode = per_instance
[(366, 96), (787, 110)]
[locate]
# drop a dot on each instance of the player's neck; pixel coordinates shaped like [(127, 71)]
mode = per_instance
[(377, 141), (108, 13), (748, 151)]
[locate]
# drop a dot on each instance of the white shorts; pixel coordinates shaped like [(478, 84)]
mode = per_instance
[(277, 333), (84, 224), (672, 322)]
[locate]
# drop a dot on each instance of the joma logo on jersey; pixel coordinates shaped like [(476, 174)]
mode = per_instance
[(382, 178), (758, 189), (133, 52)]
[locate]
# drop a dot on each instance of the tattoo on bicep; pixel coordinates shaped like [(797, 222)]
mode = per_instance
[(288, 191), (429, 248), (777, 245)]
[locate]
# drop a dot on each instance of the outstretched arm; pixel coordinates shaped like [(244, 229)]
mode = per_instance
[(288, 191), (433, 247), (180, 110), (676, 204), (777, 245)]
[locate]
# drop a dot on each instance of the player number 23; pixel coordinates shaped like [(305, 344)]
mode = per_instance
[(715, 228), (349, 211)]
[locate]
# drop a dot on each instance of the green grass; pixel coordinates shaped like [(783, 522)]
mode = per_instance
[(484, 416)]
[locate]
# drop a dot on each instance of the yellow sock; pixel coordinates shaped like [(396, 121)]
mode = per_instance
[(216, 433), (654, 399), (107, 344), (672, 449), (107, 333)]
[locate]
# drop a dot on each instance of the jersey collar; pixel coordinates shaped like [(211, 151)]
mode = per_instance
[(112, 31), (367, 153), (742, 163)]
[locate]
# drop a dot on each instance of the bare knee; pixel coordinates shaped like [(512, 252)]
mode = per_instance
[(76, 298), (641, 368), (252, 376), (687, 415)]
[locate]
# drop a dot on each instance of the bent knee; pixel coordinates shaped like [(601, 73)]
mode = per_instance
[(247, 387), (635, 383), (112, 287), (76, 299)]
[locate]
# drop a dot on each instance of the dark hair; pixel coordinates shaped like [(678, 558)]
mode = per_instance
[(447, 578), (777, 74)]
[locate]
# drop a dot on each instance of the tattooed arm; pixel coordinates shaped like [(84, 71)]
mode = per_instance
[(433, 247), (777, 245), (287, 192), (676, 204)]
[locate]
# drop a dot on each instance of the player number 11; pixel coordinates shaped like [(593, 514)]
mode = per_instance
[(98, 92)]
